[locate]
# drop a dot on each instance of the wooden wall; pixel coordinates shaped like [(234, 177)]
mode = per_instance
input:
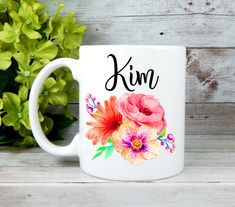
[(205, 27)]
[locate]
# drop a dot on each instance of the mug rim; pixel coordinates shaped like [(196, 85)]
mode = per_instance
[(139, 46)]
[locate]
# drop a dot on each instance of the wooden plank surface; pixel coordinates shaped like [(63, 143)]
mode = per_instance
[(210, 75), (207, 118), (200, 118), (119, 194), (208, 179), (191, 23), (110, 8), (208, 159)]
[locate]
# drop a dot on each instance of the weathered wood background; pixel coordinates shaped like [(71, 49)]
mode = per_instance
[(206, 28)]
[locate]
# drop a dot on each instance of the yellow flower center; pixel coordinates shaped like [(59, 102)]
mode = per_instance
[(136, 144)]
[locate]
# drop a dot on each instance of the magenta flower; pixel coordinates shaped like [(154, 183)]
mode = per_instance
[(143, 110)]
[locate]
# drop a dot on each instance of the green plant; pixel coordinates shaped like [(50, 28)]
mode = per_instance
[(29, 39)]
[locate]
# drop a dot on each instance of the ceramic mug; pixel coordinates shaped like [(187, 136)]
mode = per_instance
[(131, 111)]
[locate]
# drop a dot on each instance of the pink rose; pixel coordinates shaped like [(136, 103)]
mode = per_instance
[(143, 110)]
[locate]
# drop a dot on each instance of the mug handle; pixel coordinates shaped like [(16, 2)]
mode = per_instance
[(72, 148)]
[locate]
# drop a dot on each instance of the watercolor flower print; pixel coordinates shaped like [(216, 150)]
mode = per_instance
[(133, 125)]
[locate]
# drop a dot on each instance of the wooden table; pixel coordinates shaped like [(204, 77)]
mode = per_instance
[(35, 178)]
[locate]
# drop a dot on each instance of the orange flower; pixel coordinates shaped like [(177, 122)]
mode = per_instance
[(108, 120)]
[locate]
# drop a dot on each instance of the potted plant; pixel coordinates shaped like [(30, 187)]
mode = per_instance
[(29, 39)]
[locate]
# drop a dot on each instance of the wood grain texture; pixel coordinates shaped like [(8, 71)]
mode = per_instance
[(118, 194), (210, 118), (200, 118), (210, 75), (196, 24), (208, 159), (110, 8)]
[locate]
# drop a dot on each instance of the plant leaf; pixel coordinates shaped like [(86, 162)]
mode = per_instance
[(97, 155), (47, 125), (58, 99), (30, 32), (26, 142), (24, 132), (25, 115), (8, 33), (11, 102), (163, 133), (109, 151), (3, 6), (23, 93), (11, 119), (110, 140), (46, 49), (5, 60), (102, 148), (4, 140), (1, 104)]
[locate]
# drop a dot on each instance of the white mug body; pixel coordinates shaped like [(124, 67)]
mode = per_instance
[(131, 111)]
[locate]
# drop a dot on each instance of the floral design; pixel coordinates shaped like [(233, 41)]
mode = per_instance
[(108, 120), (132, 125), (143, 110), (135, 144), (91, 103)]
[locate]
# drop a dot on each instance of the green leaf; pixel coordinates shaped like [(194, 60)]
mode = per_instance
[(58, 99), (11, 119), (163, 133), (11, 102), (53, 18), (3, 6), (67, 53), (25, 115), (26, 142), (101, 148), (49, 82), (46, 49), (67, 112), (29, 15), (24, 132), (109, 152), (10, 34), (97, 155), (52, 93), (30, 32), (28, 72), (4, 140), (47, 125), (1, 104), (37, 6), (23, 60), (23, 93), (5, 60), (66, 31), (110, 140)]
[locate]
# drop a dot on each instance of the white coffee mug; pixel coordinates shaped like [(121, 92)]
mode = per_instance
[(131, 111)]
